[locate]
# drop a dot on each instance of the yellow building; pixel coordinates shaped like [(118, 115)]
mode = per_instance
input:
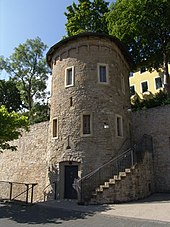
[(145, 83)]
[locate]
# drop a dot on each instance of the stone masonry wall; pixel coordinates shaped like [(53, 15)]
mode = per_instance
[(26, 165), (155, 122)]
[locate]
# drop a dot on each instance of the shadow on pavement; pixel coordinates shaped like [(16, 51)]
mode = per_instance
[(38, 214), (156, 197), (58, 212)]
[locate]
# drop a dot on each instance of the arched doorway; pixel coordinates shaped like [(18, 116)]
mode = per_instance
[(69, 170)]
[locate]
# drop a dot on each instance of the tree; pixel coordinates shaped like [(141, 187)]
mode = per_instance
[(28, 68), (86, 16), (40, 113), (143, 25), (10, 95), (10, 127)]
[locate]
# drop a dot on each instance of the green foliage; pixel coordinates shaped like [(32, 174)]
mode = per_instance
[(143, 25), (10, 95), (28, 68), (39, 113), (86, 16), (10, 127), (159, 99)]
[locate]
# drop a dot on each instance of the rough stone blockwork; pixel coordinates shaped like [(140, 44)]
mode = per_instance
[(83, 56), (26, 165), (155, 122)]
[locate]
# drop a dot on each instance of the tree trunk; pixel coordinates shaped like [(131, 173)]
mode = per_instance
[(166, 75)]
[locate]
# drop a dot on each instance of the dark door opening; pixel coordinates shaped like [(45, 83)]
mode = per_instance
[(71, 172)]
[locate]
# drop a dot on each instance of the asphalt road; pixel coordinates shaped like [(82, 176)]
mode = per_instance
[(17, 215)]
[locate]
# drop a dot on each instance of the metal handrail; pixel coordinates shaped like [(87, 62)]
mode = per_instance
[(11, 183), (127, 159), (105, 164), (55, 189)]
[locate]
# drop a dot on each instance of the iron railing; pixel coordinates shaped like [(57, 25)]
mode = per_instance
[(52, 193), (17, 191), (127, 159)]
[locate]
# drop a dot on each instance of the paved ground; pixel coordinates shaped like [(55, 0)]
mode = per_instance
[(151, 212)]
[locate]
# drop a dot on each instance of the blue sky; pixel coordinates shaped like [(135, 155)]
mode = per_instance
[(27, 19)]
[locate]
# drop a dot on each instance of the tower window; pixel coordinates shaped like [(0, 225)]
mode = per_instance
[(71, 101), (86, 124), (55, 128), (119, 126), (103, 73), (69, 77)]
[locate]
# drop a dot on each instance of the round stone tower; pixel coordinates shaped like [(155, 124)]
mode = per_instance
[(89, 117)]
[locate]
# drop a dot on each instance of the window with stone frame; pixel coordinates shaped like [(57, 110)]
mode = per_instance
[(103, 73), (119, 126), (55, 128), (69, 76), (86, 124)]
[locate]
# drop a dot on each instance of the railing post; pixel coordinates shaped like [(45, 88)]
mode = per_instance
[(32, 192), (132, 157), (10, 195), (27, 186), (81, 192), (55, 190), (99, 176), (117, 167)]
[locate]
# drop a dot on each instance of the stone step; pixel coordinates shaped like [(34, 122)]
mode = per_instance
[(106, 183), (99, 190), (122, 174), (116, 178), (127, 170), (93, 196), (104, 186), (95, 199), (111, 181)]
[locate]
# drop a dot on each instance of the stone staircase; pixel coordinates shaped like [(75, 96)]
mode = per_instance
[(110, 190), (126, 177), (131, 184)]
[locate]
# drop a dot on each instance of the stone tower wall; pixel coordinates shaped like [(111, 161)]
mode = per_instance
[(102, 101)]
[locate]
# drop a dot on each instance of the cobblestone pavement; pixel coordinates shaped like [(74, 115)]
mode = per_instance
[(152, 212)]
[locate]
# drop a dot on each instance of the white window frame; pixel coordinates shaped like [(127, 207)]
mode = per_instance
[(91, 125), (66, 76), (121, 126), (155, 83), (98, 72), (55, 119), (141, 86)]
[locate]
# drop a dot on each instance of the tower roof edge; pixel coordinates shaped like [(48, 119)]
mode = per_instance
[(120, 45)]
